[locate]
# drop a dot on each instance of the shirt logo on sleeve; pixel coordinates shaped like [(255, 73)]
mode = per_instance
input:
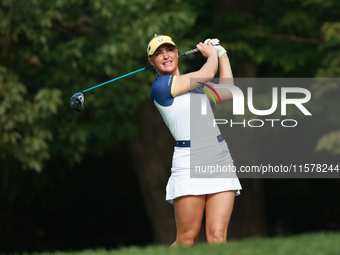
[(212, 89)]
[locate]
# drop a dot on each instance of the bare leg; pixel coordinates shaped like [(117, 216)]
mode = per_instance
[(219, 207), (188, 214)]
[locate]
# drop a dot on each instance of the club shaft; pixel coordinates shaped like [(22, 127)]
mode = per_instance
[(137, 71), (120, 77)]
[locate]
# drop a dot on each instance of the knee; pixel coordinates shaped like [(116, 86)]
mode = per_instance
[(217, 236), (186, 242), (186, 239)]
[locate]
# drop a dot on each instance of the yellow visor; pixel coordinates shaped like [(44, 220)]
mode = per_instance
[(157, 41)]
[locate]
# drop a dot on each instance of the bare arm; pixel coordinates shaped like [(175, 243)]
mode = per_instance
[(226, 77), (205, 74)]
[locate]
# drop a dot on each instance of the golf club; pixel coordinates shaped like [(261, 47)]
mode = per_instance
[(77, 101)]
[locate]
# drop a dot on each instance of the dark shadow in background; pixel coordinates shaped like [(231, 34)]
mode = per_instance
[(296, 206), (96, 204), (99, 203)]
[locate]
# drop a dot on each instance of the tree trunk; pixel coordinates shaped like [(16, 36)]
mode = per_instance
[(248, 218), (152, 151)]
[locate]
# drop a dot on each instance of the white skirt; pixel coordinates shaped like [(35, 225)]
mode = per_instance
[(182, 183)]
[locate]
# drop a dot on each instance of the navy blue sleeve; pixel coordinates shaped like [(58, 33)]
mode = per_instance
[(198, 90), (161, 90)]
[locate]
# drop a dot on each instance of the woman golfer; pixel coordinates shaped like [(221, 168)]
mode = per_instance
[(172, 93)]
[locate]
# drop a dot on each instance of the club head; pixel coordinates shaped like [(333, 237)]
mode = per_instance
[(77, 102)]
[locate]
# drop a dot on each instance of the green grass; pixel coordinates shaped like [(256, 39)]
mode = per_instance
[(306, 244)]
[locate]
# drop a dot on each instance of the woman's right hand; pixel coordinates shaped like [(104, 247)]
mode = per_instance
[(206, 49), (207, 72)]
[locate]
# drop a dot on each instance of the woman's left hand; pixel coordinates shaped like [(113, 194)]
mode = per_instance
[(206, 49)]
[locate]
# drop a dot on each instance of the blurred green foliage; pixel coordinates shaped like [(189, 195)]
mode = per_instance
[(52, 49), (23, 131)]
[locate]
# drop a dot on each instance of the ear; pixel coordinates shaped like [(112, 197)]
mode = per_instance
[(151, 62)]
